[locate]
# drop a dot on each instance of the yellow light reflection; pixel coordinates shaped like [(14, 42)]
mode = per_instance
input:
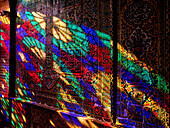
[(39, 18), (39, 53), (22, 56), (19, 90), (4, 19), (24, 118), (65, 81), (83, 121), (43, 54), (101, 83), (4, 61), (62, 32), (8, 9), (62, 74), (33, 50), (51, 122), (3, 87), (13, 117)]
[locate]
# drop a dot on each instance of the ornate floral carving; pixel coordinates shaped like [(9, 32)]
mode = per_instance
[(138, 42), (138, 12)]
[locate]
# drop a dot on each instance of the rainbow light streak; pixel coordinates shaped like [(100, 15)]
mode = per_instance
[(67, 38)]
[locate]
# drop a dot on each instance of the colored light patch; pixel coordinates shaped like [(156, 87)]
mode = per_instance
[(36, 42), (72, 50), (18, 48), (29, 15), (37, 27), (26, 66), (1, 37), (106, 42), (23, 16), (27, 57), (22, 56), (27, 43), (73, 27), (76, 121), (4, 20), (80, 36), (60, 35), (43, 47), (40, 85), (133, 68), (5, 47), (39, 18), (62, 45), (42, 31), (88, 30), (90, 58), (54, 40), (7, 44), (52, 123), (33, 50), (58, 54), (34, 23), (5, 36), (1, 30), (71, 77), (18, 58), (65, 116), (56, 48), (103, 39), (61, 25), (82, 45), (150, 102), (103, 35)]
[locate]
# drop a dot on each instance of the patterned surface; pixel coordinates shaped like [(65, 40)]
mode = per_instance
[(144, 93), (64, 60), (74, 71), (4, 50)]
